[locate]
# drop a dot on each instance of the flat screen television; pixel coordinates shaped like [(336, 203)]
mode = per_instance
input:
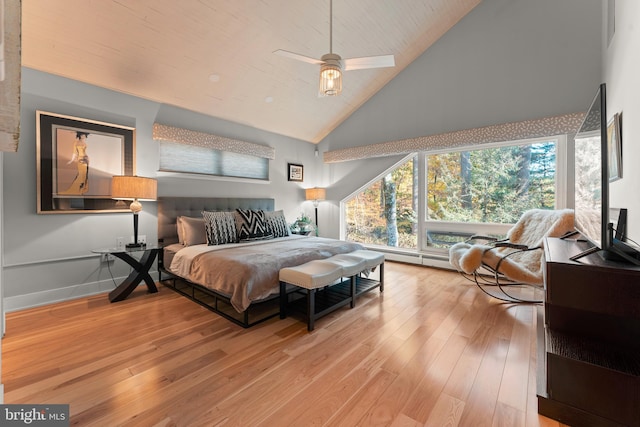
[(591, 184)]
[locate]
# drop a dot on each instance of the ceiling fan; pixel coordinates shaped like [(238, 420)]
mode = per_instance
[(332, 65)]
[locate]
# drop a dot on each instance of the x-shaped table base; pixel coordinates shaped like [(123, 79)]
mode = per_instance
[(139, 273)]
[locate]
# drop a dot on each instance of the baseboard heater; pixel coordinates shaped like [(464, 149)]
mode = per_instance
[(416, 258)]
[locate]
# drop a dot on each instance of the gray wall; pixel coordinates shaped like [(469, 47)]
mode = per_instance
[(622, 66), (48, 258), (506, 61)]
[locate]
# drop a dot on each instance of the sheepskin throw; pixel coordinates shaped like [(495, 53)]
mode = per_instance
[(521, 267)]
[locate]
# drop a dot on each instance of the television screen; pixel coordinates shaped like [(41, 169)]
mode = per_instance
[(591, 175), (591, 196)]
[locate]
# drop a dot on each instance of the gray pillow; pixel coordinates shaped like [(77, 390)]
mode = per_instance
[(191, 231)]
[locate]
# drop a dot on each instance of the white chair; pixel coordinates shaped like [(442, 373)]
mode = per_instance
[(515, 260)]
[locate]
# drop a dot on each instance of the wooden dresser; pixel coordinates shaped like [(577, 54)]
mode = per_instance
[(588, 339)]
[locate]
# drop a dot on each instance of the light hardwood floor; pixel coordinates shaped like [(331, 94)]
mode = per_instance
[(431, 350)]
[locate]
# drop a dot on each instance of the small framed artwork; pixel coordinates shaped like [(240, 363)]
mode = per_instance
[(614, 147), (76, 159), (296, 172)]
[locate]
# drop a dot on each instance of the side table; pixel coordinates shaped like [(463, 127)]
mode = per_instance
[(140, 270)]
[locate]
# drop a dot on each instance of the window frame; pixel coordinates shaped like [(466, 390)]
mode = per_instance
[(561, 194), (490, 228), (343, 202)]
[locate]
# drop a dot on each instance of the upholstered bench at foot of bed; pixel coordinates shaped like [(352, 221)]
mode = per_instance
[(312, 276), (372, 259), (321, 274)]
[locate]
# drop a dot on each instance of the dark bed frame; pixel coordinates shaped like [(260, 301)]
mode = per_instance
[(169, 208)]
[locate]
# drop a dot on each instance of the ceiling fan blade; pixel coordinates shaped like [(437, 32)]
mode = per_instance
[(368, 62), (297, 56)]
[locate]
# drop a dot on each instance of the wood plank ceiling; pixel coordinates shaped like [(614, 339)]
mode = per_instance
[(215, 57)]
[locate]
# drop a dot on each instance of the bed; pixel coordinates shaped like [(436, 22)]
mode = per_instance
[(237, 280)]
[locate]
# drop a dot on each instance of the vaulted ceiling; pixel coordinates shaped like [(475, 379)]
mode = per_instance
[(216, 56)]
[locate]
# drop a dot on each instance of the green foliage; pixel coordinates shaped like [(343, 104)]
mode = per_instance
[(303, 218), (499, 186)]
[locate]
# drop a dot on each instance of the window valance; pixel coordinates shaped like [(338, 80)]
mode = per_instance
[(201, 139), (537, 128)]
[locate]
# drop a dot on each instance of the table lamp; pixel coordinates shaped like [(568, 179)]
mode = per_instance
[(316, 195), (136, 188)]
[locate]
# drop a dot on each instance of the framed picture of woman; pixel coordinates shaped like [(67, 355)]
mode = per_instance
[(77, 159)]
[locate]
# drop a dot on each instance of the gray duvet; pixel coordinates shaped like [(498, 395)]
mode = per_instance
[(249, 273)]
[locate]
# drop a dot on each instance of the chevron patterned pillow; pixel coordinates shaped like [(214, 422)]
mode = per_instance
[(252, 225)]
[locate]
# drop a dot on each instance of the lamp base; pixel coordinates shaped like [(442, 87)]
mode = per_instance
[(135, 245)]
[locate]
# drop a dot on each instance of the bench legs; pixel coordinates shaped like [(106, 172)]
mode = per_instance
[(311, 309), (353, 290), (283, 300), (313, 312), (311, 298)]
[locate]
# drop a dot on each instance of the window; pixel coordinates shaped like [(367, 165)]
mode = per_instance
[(385, 213), (487, 186), (177, 157), (474, 191)]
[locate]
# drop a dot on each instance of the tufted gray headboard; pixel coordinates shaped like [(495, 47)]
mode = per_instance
[(169, 208)]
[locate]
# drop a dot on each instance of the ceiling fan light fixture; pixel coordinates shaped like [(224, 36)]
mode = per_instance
[(330, 80), (332, 65), (331, 75)]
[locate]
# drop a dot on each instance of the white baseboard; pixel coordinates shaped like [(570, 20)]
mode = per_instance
[(417, 258), (37, 299)]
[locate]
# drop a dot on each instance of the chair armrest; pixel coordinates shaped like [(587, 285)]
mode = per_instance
[(512, 246), (481, 237)]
